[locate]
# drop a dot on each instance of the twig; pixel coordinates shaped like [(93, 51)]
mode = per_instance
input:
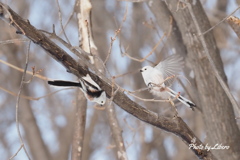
[(124, 74), (19, 149), (201, 34), (111, 44), (173, 105), (33, 74), (134, 132), (70, 17), (11, 20), (33, 98), (22, 70), (13, 41), (146, 100), (60, 20), (18, 100), (150, 53), (154, 26), (116, 34), (166, 34), (137, 91)]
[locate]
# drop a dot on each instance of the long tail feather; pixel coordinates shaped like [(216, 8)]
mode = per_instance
[(185, 101), (65, 83)]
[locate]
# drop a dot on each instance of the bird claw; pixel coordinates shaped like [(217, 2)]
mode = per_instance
[(150, 85)]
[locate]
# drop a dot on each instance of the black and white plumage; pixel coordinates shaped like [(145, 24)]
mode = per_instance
[(91, 89), (155, 78)]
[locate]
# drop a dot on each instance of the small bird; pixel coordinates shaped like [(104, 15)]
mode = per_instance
[(91, 89), (160, 78)]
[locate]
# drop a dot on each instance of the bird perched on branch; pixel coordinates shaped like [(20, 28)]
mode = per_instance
[(160, 78), (91, 89)]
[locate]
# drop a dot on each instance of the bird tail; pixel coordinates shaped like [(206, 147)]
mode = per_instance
[(185, 101), (65, 83)]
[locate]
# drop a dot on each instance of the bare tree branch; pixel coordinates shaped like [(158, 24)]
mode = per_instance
[(17, 105)]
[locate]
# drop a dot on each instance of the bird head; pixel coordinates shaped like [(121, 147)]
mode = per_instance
[(102, 99), (146, 69), (146, 72)]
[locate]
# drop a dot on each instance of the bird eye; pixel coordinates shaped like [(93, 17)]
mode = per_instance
[(145, 69), (101, 101)]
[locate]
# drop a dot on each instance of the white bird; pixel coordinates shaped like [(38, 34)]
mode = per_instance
[(159, 79), (91, 89)]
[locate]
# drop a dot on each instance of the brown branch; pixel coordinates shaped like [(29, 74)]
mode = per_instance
[(176, 126), (116, 130), (79, 126)]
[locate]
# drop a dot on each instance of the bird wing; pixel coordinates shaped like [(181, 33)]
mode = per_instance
[(170, 67), (88, 80)]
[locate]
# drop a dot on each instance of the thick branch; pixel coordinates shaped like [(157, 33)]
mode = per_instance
[(79, 127), (176, 126)]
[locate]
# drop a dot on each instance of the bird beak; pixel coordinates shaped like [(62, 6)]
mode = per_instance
[(141, 70)]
